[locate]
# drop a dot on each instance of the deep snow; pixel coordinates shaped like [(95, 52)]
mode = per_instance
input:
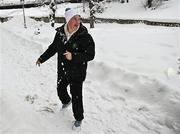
[(126, 90)]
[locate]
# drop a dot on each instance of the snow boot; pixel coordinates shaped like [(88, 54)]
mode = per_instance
[(77, 125), (66, 105)]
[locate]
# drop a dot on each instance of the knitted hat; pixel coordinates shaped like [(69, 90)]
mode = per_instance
[(69, 13)]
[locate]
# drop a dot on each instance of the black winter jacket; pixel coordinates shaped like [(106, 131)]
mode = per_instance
[(82, 47)]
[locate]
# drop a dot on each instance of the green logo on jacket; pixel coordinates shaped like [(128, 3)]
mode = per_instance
[(74, 45)]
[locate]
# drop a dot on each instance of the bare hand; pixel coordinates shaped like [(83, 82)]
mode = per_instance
[(38, 62), (68, 55)]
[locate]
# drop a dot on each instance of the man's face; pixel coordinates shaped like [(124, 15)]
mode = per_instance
[(74, 22)]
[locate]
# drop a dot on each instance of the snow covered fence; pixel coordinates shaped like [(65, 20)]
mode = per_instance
[(134, 21), (107, 20), (16, 6), (57, 19), (119, 21), (156, 23)]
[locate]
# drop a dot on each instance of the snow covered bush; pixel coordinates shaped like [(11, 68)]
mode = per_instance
[(152, 4)]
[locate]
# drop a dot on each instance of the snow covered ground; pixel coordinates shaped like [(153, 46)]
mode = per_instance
[(132, 85), (128, 88), (168, 11)]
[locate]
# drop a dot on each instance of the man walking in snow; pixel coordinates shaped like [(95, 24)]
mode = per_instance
[(75, 47)]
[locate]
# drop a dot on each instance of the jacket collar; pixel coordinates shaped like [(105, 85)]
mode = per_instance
[(68, 35), (82, 30)]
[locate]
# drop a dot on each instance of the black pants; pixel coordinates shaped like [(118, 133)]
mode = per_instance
[(76, 93)]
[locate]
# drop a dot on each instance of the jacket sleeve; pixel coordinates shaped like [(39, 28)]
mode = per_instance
[(88, 54), (52, 49)]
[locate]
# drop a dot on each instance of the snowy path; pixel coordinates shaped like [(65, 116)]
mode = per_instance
[(112, 103)]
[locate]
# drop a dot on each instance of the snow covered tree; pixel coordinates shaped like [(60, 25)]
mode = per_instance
[(91, 5), (95, 7), (52, 7)]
